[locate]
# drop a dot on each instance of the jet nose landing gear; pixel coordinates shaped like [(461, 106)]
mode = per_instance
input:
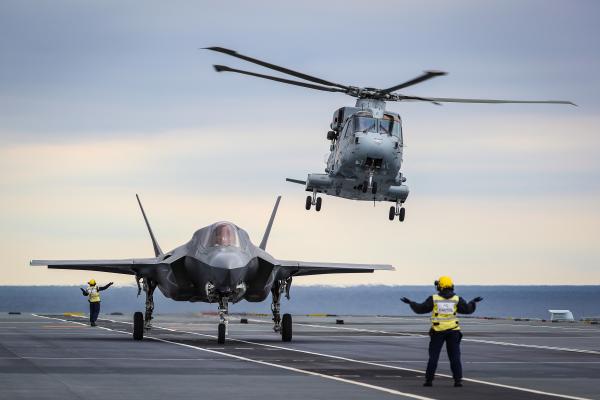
[(314, 201), (223, 322)]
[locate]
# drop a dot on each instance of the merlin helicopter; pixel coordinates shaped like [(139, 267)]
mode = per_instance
[(367, 142), (218, 265)]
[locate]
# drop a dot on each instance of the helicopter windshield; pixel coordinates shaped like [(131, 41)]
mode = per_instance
[(364, 124), (389, 127), (223, 234)]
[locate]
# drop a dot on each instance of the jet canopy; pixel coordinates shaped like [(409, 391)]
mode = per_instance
[(223, 234)]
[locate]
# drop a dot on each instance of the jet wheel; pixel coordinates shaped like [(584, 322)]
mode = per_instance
[(318, 204), (392, 213), (365, 186), (221, 335), (402, 214), (138, 326), (286, 328), (308, 202)]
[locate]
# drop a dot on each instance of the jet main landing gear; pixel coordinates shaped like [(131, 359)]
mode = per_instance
[(397, 210), (143, 321), (138, 326), (149, 287), (281, 325), (286, 328), (313, 201)]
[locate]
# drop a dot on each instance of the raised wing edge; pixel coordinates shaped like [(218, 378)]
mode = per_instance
[(324, 265)]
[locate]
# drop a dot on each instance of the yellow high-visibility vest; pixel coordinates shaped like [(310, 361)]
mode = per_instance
[(443, 316), (93, 294)]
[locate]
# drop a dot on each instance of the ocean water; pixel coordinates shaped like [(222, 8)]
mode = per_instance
[(499, 301)]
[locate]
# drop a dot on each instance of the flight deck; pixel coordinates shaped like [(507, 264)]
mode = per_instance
[(61, 357)]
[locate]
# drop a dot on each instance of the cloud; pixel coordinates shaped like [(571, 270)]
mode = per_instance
[(100, 101)]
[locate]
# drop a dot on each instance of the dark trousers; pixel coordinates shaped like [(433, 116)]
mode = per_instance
[(452, 340), (94, 311)]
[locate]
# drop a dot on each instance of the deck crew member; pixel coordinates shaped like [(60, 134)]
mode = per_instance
[(443, 306), (93, 295)]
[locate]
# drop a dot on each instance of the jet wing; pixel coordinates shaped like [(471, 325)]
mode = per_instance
[(130, 266), (299, 268)]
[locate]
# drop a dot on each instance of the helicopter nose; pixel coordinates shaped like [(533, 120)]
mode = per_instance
[(373, 146)]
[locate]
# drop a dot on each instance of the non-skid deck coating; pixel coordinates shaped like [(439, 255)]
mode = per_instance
[(58, 357)]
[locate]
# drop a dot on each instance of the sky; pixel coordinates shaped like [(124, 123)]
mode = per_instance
[(101, 100)]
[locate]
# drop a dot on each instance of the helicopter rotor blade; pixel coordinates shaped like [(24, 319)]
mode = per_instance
[(284, 70), (493, 101), (223, 68), (425, 76), (416, 98)]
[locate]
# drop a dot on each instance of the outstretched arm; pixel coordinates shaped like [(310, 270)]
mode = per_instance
[(105, 287), (84, 292), (467, 308), (420, 308)]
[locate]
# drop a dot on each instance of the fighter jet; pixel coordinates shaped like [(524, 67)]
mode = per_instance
[(218, 265)]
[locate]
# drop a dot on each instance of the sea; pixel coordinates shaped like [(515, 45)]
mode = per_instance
[(499, 301)]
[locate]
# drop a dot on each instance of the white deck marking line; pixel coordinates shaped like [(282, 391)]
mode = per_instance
[(331, 377), (564, 328), (475, 321), (490, 362), (534, 346), (402, 334), (373, 363), (111, 358), (390, 366)]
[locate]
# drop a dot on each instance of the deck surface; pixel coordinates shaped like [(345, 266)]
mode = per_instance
[(59, 357)]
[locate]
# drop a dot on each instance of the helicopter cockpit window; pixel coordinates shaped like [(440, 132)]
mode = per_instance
[(223, 234), (365, 124), (389, 126)]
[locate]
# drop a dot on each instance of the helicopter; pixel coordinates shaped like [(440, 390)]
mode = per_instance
[(367, 141)]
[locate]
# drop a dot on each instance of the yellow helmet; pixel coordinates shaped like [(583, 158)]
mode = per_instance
[(444, 282), (92, 282)]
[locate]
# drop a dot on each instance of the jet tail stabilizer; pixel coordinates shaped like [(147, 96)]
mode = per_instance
[(263, 243), (157, 250)]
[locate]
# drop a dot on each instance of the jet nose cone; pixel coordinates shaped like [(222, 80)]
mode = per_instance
[(226, 260), (227, 269)]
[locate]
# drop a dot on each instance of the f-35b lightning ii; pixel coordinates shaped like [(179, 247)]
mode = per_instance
[(218, 265)]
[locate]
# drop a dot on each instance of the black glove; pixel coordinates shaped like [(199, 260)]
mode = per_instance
[(405, 300), (83, 291), (110, 284), (477, 299)]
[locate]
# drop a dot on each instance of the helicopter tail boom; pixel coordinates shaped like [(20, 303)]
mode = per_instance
[(298, 181)]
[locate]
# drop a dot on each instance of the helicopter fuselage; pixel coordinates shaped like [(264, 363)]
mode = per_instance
[(365, 155)]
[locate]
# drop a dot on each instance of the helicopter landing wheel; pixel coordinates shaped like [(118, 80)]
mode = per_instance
[(374, 188), (392, 213), (308, 202), (318, 204), (402, 214), (365, 186)]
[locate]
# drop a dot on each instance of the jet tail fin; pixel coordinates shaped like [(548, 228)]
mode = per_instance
[(263, 243), (157, 250)]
